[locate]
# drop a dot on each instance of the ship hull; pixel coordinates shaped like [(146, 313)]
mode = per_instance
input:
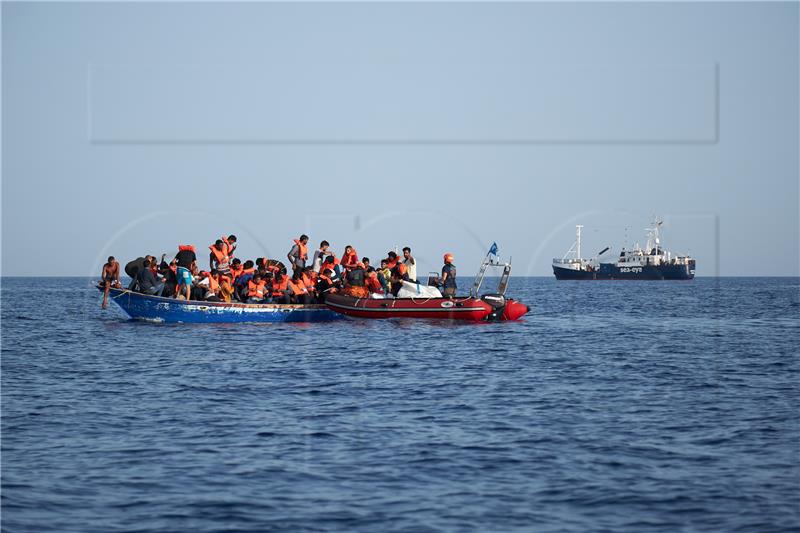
[(608, 271)]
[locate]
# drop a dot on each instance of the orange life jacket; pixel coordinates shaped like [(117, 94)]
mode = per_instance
[(298, 287), (303, 249), (390, 264), (236, 272), (222, 257), (350, 260), (307, 281), (401, 269), (183, 247), (278, 288), (212, 282), (228, 246), (256, 290), (246, 271)]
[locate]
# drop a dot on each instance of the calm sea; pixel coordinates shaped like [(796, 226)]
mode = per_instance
[(614, 406)]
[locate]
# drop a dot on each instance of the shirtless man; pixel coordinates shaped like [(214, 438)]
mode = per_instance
[(110, 277)]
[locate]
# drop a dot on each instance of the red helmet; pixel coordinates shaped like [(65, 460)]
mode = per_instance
[(448, 258)]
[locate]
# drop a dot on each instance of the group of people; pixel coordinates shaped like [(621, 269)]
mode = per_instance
[(265, 280)]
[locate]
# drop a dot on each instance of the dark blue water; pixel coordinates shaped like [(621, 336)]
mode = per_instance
[(617, 406)]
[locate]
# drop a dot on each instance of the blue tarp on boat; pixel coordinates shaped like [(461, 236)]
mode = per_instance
[(169, 310)]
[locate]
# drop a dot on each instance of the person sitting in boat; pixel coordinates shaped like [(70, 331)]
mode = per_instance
[(297, 288), (219, 258), (298, 255), (110, 278), (225, 287), (241, 280), (448, 279), (399, 274), (354, 282), (325, 284), (336, 271), (279, 291), (384, 275), (207, 282), (372, 283), (236, 268), (168, 271), (349, 258), (186, 259), (256, 289), (310, 281), (147, 281), (391, 260)]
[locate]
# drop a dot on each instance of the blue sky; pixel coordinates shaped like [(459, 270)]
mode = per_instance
[(131, 128)]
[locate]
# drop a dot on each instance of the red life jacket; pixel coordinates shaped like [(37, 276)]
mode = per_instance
[(350, 260), (184, 247), (373, 284)]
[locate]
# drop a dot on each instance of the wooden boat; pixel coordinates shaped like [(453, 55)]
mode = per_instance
[(459, 308), (140, 306)]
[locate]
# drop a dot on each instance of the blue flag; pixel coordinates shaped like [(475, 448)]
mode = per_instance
[(493, 249)]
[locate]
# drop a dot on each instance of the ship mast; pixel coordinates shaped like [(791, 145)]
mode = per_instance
[(578, 239)]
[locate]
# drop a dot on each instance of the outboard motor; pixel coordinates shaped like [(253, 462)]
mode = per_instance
[(498, 303)]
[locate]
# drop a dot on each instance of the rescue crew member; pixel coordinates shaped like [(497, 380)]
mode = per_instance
[(449, 277), (110, 278), (410, 263), (186, 259), (298, 255), (219, 258), (256, 289)]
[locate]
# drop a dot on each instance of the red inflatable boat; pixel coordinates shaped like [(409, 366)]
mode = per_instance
[(459, 308), (489, 307)]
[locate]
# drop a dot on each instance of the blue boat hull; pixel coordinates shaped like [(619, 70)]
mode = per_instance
[(169, 310)]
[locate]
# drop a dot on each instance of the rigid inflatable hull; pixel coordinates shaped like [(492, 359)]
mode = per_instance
[(469, 309), (169, 310)]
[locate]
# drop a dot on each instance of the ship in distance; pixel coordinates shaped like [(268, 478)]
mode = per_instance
[(651, 262)]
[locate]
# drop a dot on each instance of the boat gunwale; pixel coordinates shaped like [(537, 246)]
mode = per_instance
[(159, 299)]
